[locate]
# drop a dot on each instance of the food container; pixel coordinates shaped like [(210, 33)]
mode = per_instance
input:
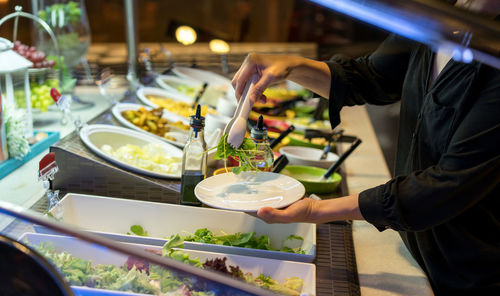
[(113, 218), (308, 156), (276, 269), (310, 178)]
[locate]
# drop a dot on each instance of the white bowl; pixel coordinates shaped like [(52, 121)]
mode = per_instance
[(308, 156)]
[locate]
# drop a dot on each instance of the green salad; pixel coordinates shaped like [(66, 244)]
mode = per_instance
[(240, 239), (140, 277), (243, 154)]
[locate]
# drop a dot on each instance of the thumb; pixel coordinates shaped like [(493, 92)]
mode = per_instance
[(272, 215)]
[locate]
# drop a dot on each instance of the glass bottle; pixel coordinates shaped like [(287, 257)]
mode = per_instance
[(263, 160), (194, 160)]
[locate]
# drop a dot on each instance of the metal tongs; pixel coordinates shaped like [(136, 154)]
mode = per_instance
[(47, 168)]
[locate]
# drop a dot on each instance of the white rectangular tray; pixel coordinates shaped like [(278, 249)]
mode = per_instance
[(113, 217), (279, 270)]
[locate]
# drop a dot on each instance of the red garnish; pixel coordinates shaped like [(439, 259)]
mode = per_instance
[(55, 94)]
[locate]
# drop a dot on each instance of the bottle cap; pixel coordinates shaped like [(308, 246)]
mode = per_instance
[(197, 121), (259, 132)]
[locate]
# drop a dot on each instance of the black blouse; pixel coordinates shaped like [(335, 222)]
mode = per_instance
[(445, 197)]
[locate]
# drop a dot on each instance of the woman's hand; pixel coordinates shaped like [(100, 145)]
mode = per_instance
[(299, 211), (270, 69), (314, 211)]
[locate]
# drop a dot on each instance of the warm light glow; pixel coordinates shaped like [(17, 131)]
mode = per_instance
[(185, 35), (219, 46)]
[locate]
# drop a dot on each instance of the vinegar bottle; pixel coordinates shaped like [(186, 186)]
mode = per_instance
[(194, 160), (263, 160)]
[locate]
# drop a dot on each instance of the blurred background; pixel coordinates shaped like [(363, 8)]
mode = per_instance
[(281, 26)]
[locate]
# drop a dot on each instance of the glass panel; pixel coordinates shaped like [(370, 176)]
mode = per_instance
[(49, 256)]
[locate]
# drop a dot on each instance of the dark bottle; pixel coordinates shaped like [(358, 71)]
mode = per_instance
[(263, 159), (194, 160)]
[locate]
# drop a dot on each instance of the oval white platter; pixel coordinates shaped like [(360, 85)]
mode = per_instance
[(168, 83), (209, 77), (119, 108), (96, 135), (249, 191), (143, 91)]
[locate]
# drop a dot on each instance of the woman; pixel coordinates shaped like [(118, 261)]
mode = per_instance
[(445, 198)]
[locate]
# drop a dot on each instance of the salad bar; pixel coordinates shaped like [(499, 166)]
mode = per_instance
[(183, 141)]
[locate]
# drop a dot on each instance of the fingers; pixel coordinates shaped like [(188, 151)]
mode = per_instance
[(271, 215), (240, 79), (255, 92)]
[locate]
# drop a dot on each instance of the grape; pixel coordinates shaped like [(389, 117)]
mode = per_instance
[(38, 58)]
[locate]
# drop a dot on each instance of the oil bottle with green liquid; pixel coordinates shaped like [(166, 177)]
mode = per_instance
[(194, 160)]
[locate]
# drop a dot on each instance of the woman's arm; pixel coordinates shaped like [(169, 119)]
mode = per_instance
[(313, 75), (314, 211)]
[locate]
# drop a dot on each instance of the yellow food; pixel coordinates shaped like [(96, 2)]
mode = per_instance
[(152, 121), (178, 107), (151, 157), (304, 121), (317, 141)]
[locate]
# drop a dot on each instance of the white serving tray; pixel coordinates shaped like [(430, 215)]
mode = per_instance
[(277, 269), (113, 217), (94, 136)]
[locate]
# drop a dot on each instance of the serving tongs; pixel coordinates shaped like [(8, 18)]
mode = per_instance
[(237, 126)]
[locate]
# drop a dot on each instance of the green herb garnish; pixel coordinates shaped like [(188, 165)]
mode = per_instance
[(243, 154)]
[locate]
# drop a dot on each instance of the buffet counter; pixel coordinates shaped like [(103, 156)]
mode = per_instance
[(383, 263)]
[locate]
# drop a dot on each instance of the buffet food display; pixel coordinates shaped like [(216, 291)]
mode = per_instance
[(274, 257)]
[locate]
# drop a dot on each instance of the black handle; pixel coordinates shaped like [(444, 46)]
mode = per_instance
[(200, 94), (327, 148), (283, 134), (320, 108), (341, 159), (280, 163)]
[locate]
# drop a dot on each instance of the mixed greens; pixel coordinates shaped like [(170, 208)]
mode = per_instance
[(244, 240), (140, 277), (129, 277), (243, 154)]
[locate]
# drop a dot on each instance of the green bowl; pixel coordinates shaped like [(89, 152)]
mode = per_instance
[(307, 176)]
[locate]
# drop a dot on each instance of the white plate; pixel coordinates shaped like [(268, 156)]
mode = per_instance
[(119, 108), (279, 270), (249, 191), (213, 80), (143, 91), (96, 135)]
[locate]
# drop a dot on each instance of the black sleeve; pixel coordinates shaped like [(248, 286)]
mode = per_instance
[(466, 173), (375, 79)]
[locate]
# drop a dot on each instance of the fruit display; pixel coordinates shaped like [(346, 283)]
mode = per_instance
[(152, 121), (40, 95), (38, 58), (178, 107)]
